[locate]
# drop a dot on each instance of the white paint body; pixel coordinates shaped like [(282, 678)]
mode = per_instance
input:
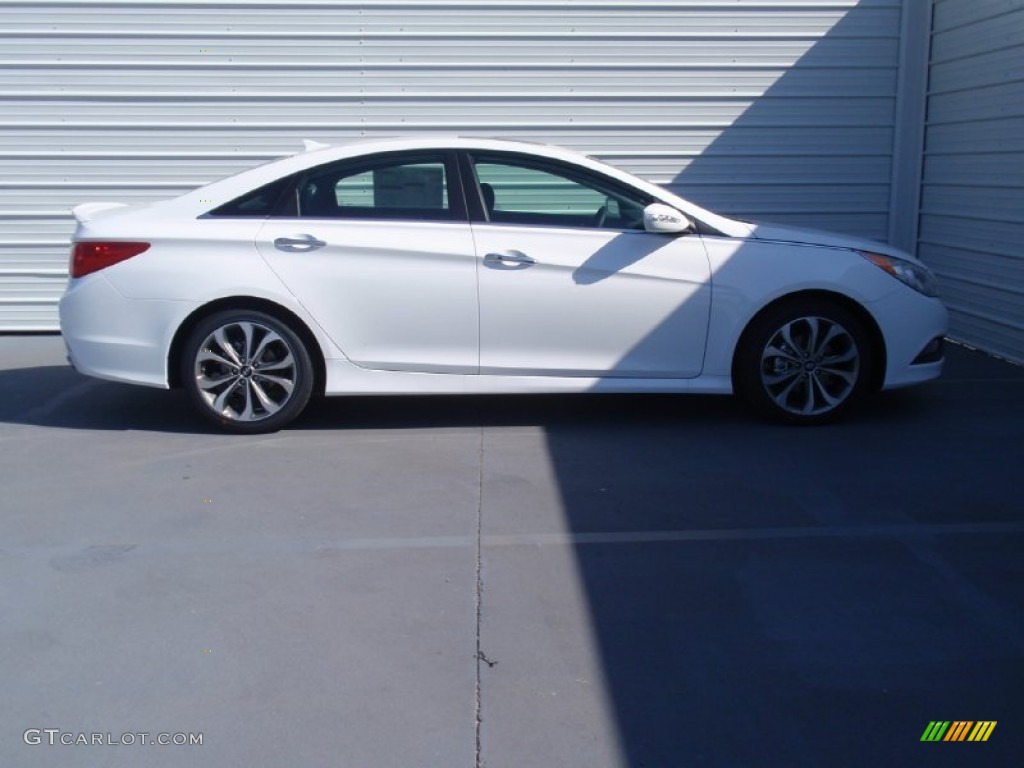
[(413, 307)]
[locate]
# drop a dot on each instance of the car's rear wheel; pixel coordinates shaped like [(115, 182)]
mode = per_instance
[(804, 362), (246, 371)]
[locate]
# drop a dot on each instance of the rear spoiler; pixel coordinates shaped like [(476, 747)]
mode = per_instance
[(88, 211), (309, 145)]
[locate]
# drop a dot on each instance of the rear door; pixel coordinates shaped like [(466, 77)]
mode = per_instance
[(379, 251)]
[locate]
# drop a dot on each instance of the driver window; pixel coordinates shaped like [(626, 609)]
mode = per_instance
[(520, 191)]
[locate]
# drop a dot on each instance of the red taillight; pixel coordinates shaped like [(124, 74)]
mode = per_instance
[(89, 257)]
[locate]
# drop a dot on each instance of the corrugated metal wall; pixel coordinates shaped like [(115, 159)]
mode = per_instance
[(972, 204), (779, 110)]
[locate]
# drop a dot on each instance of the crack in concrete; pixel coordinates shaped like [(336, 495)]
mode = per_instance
[(480, 657)]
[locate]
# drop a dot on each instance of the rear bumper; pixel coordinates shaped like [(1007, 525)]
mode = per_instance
[(126, 341)]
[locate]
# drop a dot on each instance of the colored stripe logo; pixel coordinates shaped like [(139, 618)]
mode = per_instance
[(958, 730)]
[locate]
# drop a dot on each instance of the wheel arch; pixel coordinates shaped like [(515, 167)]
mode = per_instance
[(251, 303), (879, 354)]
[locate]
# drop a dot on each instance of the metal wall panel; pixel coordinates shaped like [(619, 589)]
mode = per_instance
[(759, 108), (972, 201)]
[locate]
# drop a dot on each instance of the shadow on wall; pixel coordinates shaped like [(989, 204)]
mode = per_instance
[(732, 628), (815, 149)]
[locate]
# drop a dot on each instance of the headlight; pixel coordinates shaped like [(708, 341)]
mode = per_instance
[(918, 277)]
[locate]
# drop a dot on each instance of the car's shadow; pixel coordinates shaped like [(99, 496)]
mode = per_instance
[(58, 397)]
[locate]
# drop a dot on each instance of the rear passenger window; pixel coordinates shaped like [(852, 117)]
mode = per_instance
[(259, 203), (389, 187)]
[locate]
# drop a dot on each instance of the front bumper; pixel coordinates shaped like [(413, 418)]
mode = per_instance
[(911, 324)]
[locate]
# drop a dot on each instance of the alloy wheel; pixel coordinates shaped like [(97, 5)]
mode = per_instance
[(810, 366), (245, 371)]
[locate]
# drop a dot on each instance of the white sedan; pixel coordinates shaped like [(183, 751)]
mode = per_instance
[(482, 266)]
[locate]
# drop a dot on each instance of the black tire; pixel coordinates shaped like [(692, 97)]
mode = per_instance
[(807, 361), (246, 371)]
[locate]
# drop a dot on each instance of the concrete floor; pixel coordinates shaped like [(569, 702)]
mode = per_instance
[(509, 581)]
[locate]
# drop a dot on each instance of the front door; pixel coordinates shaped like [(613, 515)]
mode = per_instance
[(572, 285)]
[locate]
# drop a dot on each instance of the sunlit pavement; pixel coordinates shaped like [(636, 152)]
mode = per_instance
[(508, 581)]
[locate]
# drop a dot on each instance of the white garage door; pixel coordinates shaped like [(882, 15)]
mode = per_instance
[(775, 110)]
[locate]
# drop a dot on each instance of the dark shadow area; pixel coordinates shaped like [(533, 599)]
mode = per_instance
[(829, 648), (839, 617), (57, 396)]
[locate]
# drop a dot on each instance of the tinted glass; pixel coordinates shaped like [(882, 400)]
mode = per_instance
[(406, 187), (518, 191), (259, 203)]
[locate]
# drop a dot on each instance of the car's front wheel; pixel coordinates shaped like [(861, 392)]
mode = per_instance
[(804, 362), (246, 371)]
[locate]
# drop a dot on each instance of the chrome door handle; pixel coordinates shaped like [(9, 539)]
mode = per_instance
[(300, 244), (506, 258)]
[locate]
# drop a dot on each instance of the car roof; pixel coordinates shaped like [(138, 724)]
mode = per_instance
[(233, 186), (441, 142)]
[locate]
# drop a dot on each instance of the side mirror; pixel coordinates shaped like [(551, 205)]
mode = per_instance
[(665, 220)]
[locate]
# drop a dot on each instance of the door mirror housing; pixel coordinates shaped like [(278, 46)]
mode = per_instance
[(665, 219)]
